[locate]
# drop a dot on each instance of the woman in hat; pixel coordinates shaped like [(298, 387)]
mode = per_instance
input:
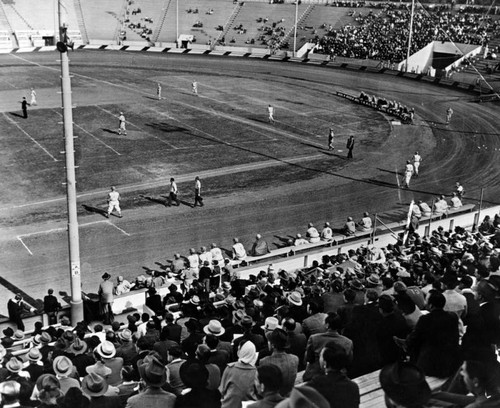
[(239, 378)]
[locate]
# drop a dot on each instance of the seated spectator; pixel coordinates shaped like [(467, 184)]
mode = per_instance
[(375, 255), (287, 363), (312, 233), (334, 385), (487, 227), (259, 247), (123, 286), (269, 380), (153, 302), (349, 227), (455, 201), (326, 233), (365, 224), (455, 302), (299, 240), (440, 206), (239, 252), (304, 396), (404, 385)]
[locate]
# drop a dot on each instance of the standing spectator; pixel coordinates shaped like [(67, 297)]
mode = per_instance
[(173, 193), (433, 345), (287, 363), (106, 299), (238, 381), (51, 306), (114, 202), (154, 376), (334, 385), (153, 301), (176, 360), (198, 199), (269, 379), (33, 97), (126, 350), (317, 341), (350, 146), (270, 112), (239, 252), (65, 373), (16, 307), (122, 126), (35, 367), (24, 107)]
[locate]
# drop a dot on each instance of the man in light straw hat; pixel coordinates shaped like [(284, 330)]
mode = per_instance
[(106, 353), (65, 372), (35, 366), (214, 327)]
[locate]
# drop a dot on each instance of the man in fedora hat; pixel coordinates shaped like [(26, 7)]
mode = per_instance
[(106, 299), (35, 366), (9, 391), (79, 356), (296, 307), (65, 373), (126, 349), (95, 387), (153, 377), (247, 324)]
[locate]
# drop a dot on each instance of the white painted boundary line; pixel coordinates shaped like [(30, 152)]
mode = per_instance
[(27, 134), (90, 134), (118, 228), (27, 249)]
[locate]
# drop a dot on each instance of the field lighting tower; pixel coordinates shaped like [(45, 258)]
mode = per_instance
[(73, 237)]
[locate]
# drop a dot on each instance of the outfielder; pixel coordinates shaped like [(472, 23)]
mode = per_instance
[(113, 202)]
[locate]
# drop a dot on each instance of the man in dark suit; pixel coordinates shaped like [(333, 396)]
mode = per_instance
[(51, 306), (106, 299), (433, 344), (218, 357), (24, 108), (164, 345), (173, 330), (296, 341)]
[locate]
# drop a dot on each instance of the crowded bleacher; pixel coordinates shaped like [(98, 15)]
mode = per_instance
[(409, 316)]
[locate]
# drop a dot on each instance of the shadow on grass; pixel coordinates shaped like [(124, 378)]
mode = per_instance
[(96, 210), (114, 132), (160, 200), (17, 115)]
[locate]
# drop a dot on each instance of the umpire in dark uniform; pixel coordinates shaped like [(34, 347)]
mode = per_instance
[(24, 107), (350, 146)]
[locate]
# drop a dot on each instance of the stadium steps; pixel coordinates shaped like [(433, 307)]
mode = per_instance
[(161, 21), (300, 20), (19, 17), (81, 22), (230, 21)]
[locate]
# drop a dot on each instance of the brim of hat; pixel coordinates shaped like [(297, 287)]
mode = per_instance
[(90, 369), (142, 372), (417, 396), (12, 370), (86, 390), (63, 373), (293, 302), (106, 356), (35, 359), (372, 282), (77, 352), (206, 329)]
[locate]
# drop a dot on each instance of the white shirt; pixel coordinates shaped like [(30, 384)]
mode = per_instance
[(217, 255), (113, 196), (409, 168), (417, 158), (239, 251), (205, 256), (270, 109), (197, 185), (173, 187), (327, 233), (121, 118)]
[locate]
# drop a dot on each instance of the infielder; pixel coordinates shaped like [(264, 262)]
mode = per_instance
[(122, 127), (33, 97), (449, 114), (195, 87), (408, 173), (113, 202)]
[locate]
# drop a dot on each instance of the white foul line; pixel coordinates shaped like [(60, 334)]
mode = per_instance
[(118, 228), (27, 134), (27, 249), (90, 134)]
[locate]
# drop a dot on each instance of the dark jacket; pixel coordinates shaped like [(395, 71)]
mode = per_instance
[(340, 391)]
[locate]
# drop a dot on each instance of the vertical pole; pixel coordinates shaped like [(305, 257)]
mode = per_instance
[(430, 218), (295, 28), (73, 238), (374, 229), (409, 36), (177, 22)]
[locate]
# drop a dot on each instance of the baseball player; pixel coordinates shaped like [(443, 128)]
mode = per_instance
[(331, 135), (122, 128), (33, 97), (114, 202), (270, 111), (449, 114), (417, 159), (194, 86), (408, 173), (158, 91)]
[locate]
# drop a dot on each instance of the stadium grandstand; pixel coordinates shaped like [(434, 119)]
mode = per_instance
[(274, 203)]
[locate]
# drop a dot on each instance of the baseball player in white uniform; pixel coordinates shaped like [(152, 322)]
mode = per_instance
[(33, 97), (416, 163), (122, 129), (114, 202), (158, 91), (270, 111), (408, 173), (195, 87)]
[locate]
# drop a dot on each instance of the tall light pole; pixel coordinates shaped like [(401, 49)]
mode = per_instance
[(409, 36), (177, 22), (73, 237), (295, 28)]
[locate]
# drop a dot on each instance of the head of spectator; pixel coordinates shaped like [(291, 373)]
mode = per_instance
[(48, 389), (404, 386), (74, 398), (203, 353), (305, 396), (481, 378), (436, 301), (386, 305), (14, 365), (278, 340), (333, 321), (269, 379), (349, 295), (106, 350), (333, 358), (78, 347), (214, 327), (153, 372), (62, 366), (289, 324), (270, 324), (247, 353), (9, 391), (174, 353), (295, 299), (486, 291), (145, 343), (94, 385), (371, 296), (211, 341)]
